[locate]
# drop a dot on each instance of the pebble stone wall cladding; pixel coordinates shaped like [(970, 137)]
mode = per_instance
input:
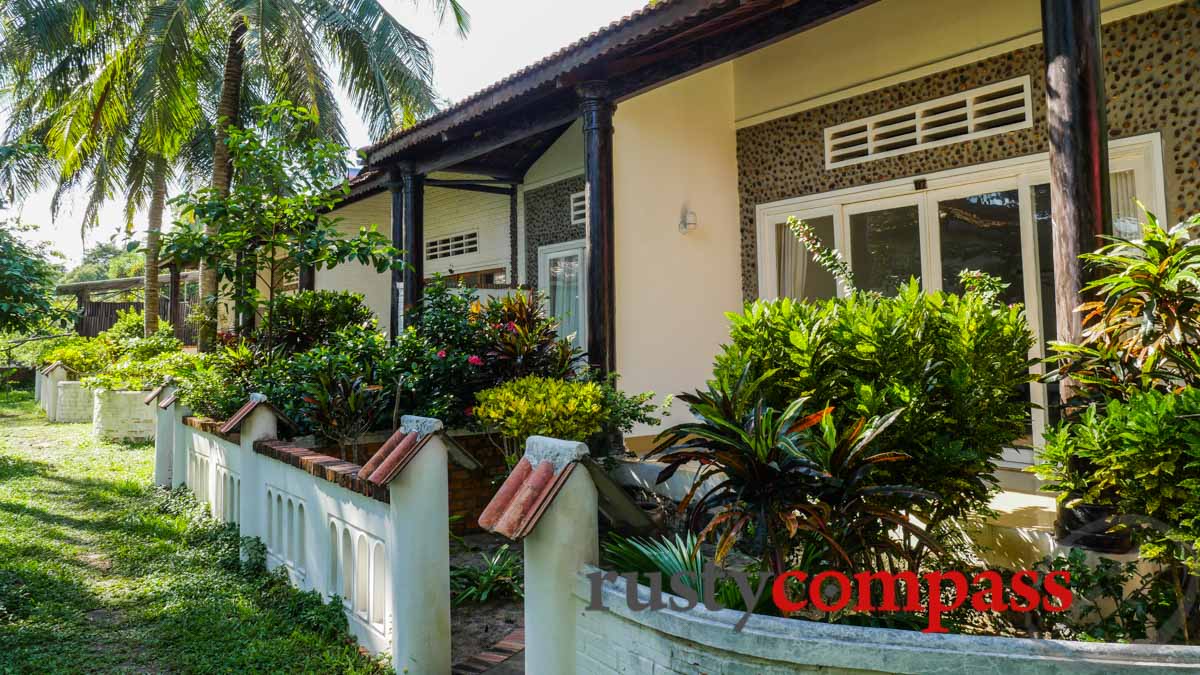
[(1152, 84), (121, 415), (74, 403), (548, 220)]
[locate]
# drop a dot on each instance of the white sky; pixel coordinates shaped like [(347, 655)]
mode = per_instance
[(506, 35)]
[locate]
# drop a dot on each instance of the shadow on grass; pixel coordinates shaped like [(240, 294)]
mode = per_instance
[(19, 467)]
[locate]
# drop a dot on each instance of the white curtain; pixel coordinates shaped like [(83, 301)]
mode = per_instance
[(1126, 215), (791, 262)]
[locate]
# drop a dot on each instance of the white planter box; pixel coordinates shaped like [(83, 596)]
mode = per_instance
[(121, 416), (74, 403)]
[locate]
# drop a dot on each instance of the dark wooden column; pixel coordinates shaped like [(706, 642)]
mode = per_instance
[(413, 193), (174, 308), (1080, 210), (396, 186), (597, 110)]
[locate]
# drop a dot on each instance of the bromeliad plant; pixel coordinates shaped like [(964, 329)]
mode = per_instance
[(798, 492)]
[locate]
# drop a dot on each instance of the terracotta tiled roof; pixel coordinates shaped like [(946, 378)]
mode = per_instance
[(638, 25), (531, 487)]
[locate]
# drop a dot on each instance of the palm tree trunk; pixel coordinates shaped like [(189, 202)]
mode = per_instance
[(227, 114), (158, 200)]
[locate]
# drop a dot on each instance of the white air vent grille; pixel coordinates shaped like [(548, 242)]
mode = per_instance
[(448, 247), (579, 209), (994, 109)]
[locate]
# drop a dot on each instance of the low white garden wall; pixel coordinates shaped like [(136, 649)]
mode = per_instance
[(383, 550), (555, 508), (74, 403), (619, 640), (122, 416)]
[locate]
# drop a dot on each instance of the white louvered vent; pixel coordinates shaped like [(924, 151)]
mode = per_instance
[(994, 109), (448, 247), (579, 209)]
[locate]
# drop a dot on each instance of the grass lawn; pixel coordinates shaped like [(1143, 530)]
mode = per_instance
[(101, 572)]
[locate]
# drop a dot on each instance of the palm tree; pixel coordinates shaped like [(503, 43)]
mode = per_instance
[(114, 101), (278, 45), (120, 94)]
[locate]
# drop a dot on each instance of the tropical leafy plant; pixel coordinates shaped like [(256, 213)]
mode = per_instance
[(1143, 331), (541, 406), (131, 374), (343, 408), (666, 555), (790, 487), (216, 384), (522, 340), (81, 356), (500, 577)]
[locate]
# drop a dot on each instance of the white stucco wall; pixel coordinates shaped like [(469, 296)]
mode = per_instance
[(352, 276), (121, 415), (74, 403), (674, 151)]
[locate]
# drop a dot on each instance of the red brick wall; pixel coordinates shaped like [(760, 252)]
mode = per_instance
[(470, 491)]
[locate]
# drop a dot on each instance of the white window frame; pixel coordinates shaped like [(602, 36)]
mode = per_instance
[(1143, 154), (547, 253)]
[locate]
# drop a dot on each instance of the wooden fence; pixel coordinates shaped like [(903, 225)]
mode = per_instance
[(98, 316)]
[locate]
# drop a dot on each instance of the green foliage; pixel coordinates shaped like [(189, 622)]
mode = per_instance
[(215, 385), (128, 326), (953, 365), (142, 374), (343, 407), (1143, 331), (1113, 601), (81, 356), (501, 576), (819, 493), (667, 556), (458, 346), (303, 320), (27, 278), (621, 410), (1144, 459), (274, 221), (540, 406)]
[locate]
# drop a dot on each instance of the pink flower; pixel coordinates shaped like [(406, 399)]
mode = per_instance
[(512, 327), (469, 412), (441, 353), (474, 360)]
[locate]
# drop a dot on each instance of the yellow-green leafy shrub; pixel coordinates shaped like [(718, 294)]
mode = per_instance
[(539, 406)]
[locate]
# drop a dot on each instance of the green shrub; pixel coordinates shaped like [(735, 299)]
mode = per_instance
[(215, 385), (500, 577), (1144, 456), (303, 320), (140, 348), (81, 356), (130, 324), (954, 365), (540, 406), (138, 374)]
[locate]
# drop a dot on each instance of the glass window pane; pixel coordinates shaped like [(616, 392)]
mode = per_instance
[(799, 276), (982, 232), (885, 248), (565, 299)]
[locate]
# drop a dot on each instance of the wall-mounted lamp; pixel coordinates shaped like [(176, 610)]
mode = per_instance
[(687, 222)]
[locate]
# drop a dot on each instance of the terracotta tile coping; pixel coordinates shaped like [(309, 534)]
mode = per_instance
[(332, 469), (208, 426)]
